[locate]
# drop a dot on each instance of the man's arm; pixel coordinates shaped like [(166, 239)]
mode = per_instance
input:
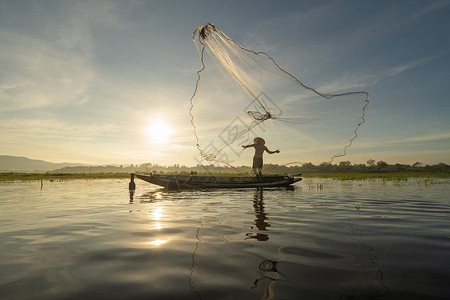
[(247, 146), (271, 152)]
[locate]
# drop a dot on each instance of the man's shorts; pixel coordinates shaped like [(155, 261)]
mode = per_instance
[(257, 162)]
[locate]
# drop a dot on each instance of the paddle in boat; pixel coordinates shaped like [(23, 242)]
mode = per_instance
[(194, 181)]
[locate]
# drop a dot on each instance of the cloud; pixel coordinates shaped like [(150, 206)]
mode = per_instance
[(425, 138), (40, 75), (382, 143), (392, 156), (47, 61), (53, 129), (363, 80)]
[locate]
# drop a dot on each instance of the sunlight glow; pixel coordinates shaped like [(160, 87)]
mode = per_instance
[(158, 195), (157, 242), (157, 226), (157, 214), (159, 132)]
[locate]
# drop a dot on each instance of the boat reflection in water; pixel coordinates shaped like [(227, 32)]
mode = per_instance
[(132, 188)]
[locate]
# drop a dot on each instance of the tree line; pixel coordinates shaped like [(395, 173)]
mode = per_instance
[(371, 166)]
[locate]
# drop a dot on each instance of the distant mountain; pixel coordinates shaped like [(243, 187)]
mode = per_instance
[(23, 164)]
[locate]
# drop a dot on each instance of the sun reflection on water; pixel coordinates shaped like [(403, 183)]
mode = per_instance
[(157, 242), (156, 215), (157, 225), (158, 195)]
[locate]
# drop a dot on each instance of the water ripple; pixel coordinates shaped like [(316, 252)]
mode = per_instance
[(325, 239)]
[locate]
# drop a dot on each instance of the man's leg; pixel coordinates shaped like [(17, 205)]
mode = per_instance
[(258, 173), (255, 171)]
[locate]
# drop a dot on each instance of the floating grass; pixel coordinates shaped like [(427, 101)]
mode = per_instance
[(422, 178), (58, 177), (394, 176)]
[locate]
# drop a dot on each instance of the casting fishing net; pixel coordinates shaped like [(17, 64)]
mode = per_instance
[(241, 94)]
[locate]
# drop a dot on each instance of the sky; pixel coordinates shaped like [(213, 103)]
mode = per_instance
[(109, 82)]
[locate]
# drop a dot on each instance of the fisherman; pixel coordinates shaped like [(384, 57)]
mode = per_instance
[(258, 144)]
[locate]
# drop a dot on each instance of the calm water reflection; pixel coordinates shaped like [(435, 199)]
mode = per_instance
[(324, 239), (261, 217)]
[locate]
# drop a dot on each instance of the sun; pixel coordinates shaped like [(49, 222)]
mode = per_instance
[(159, 132)]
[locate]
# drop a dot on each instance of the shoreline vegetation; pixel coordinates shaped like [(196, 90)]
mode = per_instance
[(388, 176), (345, 170), (339, 172)]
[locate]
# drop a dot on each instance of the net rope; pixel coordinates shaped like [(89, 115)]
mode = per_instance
[(237, 61)]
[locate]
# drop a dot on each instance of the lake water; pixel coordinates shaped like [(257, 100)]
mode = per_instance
[(324, 239)]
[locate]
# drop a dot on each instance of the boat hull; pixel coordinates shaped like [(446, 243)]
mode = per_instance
[(200, 182)]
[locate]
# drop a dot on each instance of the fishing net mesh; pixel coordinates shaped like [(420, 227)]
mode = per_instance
[(241, 94)]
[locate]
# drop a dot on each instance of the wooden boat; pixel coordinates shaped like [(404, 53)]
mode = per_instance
[(199, 182)]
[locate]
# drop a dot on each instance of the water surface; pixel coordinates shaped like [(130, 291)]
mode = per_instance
[(324, 239)]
